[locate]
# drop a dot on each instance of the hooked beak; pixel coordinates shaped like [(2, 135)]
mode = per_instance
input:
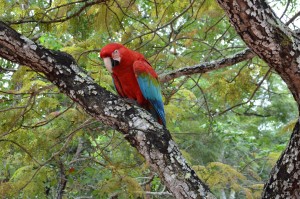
[(110, 63), (114, 62)]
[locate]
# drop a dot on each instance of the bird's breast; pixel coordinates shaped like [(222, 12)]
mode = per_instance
[(130, 86)]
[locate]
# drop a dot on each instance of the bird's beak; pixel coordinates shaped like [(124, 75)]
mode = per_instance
[(115, 62), (108, 64)]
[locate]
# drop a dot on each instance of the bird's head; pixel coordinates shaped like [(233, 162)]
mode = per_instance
[(111, 55)]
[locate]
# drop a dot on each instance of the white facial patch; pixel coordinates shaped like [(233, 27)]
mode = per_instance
[(107, 63), (116, 55)]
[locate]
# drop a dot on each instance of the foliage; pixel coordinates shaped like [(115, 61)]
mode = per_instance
[(231, 124)]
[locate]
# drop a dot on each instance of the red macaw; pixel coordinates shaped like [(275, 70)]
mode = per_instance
[(134, 78)]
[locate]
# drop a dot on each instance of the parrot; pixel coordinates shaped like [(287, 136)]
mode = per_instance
[(134, 78)]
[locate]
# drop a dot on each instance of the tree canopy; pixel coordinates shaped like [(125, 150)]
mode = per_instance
[(230, 114)]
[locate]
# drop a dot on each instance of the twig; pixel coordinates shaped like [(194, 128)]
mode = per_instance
[(250, 98), (293, 18), (62, 19), (23, 148)]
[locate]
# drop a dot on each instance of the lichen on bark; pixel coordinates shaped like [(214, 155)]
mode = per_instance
[(278, 46), (150, 138)]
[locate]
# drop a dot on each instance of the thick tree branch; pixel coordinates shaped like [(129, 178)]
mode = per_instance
[(277, 45), (268, 37), (208, 66), (139, 128)]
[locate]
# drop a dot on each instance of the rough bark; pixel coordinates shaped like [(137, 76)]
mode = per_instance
[(208, 66), (284, 180), (278, 46), (268, 37), (151, 140)]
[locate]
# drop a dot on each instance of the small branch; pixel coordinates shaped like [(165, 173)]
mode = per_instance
[(208, 66), (170, 94), (206, 104), (87, 52), (253, 114), (293, 18), (62, 19), (148, 181), (26, 109), (44, 122), (23, 148), (250, 98), (31, 178), (164, 25), (62, 180), (165, 193), (6, 70), (286, 7), (69, 137), (31, 92)]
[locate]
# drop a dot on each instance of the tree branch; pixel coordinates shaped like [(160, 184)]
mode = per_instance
[(249, 99), (150, 138), (208, 66), (268, 37), (278, 46), (61, 19), (62, 179), (2, 69), (293, 18)]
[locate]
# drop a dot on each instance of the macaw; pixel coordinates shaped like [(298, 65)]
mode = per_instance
[(134, 78)]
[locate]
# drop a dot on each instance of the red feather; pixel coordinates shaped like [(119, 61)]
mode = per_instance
[(124, 74)]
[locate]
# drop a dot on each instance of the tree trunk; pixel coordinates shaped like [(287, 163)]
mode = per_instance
[(150, 138), (284, 181), (278, 46)]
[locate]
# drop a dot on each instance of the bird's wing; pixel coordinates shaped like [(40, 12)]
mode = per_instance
[(149, 85), (118, 85)]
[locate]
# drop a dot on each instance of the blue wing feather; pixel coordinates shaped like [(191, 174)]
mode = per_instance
[(150, 88)]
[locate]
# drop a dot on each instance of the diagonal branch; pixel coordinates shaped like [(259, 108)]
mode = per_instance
[(267, 37), (139, 128), (61, 19), (293, 18), (208, 66), (63, 179), (278, 46), (250, 98)]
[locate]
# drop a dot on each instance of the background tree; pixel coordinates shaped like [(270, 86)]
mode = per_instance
[(230, 123)]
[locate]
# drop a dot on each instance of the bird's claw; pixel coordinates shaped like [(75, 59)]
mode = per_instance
[(131, 101)]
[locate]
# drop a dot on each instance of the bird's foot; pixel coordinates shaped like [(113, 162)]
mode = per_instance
[(131, 101)]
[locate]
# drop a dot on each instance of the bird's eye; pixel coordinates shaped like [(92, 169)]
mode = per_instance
[(116, 51)]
